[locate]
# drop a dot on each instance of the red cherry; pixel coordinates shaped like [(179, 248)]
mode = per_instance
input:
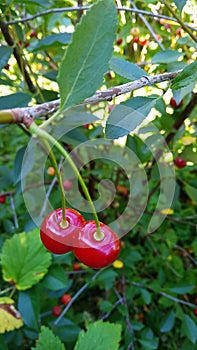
[(119, 41), (180, 163), (66, 298), (56, 310), (67, 184), (174, 104), (195, 311), (2, 199), (33, 34), (76, 266), (136, 39), (93, 252), (54, 237)]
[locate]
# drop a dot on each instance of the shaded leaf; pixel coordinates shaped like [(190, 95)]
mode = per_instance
[(166, 56), (5, 53), (29, 307), (18, 162), (88, 54), (19, 99), (182, 289), (149, 344), (99, 336), (180, 4), (126, 116), (126, 69), (189, 329), (192, 192), (186, 77), (53, 40), (25, 261), (168, 323)]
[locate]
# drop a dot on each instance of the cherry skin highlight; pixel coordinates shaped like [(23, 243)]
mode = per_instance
[(57, 239), (94, 252)]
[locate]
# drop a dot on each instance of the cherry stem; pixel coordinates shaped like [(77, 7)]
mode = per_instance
[(63, 223), (35, 130)]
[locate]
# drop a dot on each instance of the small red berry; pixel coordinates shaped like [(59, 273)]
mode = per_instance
[(66, 298), (76, 266), (195, 311), (136, 39), (143, 42), (26, 44), (67, 184), (51, 171), (86, 126), (7, 66), (2, 199), (180, 163), (179, 32), (174, 104), (119, 41), (33, 34), (56, 310)]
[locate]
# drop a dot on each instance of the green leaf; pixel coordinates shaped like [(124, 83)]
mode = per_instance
[(5, 53), (18, 163), (149, 344), (186, 77), (107, 278), (53, 40), (192, 192), (126, 69), (189, 329), (29, 307), (55, 279), (182, 289), (180, 4), (48, 341), (126, 116), (167, 56), (25, 261), (88, 55), (99, 336), (67, 330), (168, 323), (19, 99), (146, 296)]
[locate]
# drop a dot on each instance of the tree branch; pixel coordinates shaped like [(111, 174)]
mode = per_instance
[(17, 55), (82, 8), (26, 115)]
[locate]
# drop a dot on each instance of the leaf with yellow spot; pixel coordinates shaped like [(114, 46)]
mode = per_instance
[(10, 318), (24, 259), (188, 140)]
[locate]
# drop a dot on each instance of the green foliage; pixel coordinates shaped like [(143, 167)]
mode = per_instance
[(147, 299), (24, 260), (95, 33), (99, 336), (48, 341)]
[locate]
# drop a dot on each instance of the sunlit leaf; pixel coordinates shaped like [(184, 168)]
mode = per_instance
[(25, 261), (10, 318)]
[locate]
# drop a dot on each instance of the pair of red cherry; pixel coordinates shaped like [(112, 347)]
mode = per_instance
[(81, 237)]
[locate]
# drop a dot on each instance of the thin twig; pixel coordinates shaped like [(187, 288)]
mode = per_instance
[(82, 8), (12, 206), (180, 301), (154, 35), (79, 292)]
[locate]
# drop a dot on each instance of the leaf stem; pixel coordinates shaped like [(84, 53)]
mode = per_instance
[(59, 179), (35, 130)]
